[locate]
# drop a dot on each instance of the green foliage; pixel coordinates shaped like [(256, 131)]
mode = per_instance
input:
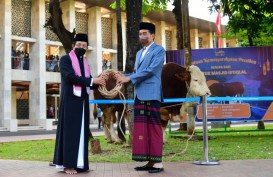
[(147, 6), (250, 18)]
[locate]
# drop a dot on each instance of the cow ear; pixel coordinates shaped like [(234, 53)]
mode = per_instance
[(183, 75)]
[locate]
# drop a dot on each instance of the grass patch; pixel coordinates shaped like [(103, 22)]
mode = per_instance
[(222, 146)]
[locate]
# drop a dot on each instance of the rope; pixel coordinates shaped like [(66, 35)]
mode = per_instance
[(110, 94), (187, 142)]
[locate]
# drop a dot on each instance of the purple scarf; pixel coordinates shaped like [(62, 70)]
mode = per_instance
[(77, 89)]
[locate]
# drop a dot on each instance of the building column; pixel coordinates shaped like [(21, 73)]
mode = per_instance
[(115, 40), (211, 40), (123, 26), (94, 57), (174, 40), (224, 43), (95, 38), (69, 14), (6, 119), (37, 87), (114, 57), (196, 38), (160, 38)]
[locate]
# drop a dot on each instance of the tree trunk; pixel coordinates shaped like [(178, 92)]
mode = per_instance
[(55, 23), (186, 29), (260, 125), (179, 38), (179, 29), (187, 54), (95, 146), (250, 40), (119, 36), (134, 17), (120, 65)]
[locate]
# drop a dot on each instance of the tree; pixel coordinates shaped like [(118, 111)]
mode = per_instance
[(178, 17), (55, 23), (249, 17), (121, 126), (134, 17), (119, 37)]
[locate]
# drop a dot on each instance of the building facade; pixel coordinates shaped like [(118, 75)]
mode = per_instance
[(29, 53)]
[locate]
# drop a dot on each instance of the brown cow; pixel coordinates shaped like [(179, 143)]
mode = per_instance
[(177, 82), (227, 89), (110, 110), (180, 82)]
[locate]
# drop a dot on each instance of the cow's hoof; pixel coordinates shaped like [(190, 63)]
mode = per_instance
[(118, 142)]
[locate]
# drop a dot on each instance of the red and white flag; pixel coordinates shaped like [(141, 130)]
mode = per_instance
[(218, 28)]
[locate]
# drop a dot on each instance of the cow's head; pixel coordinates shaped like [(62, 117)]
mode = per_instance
[(198, 85), (196, 81)]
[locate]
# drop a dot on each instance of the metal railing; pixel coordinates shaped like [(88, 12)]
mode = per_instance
[(20, 63), (52, 66), (204, 100)]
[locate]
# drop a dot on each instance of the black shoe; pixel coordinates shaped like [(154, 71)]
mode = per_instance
[(143, 168), (52, 164), (155, 170)]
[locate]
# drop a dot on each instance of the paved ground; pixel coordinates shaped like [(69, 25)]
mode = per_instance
[(236, 168)]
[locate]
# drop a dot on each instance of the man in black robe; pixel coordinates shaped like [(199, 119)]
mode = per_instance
[(71, 148)]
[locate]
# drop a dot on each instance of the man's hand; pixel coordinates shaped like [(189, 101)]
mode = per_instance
[(104, 75), (123, 79), (99, 81)]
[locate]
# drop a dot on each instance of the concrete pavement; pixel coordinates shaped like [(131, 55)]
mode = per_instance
[(227, 168), (231, 168)]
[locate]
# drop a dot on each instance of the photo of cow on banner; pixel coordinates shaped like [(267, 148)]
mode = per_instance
[(235, 72)]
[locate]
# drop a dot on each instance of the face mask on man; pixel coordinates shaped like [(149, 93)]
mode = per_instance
[(143, 40), (79, 51)]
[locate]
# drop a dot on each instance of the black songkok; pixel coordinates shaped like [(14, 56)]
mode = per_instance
[(81, 37), (147, 26)]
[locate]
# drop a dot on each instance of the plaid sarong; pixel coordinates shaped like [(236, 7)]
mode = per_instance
[(147, 133)]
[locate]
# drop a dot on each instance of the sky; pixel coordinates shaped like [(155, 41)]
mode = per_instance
[(199, 9)]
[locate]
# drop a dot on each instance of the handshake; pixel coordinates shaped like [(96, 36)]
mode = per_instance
[(109, 74), (121, 79)]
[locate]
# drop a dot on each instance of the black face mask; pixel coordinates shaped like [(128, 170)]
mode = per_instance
[(79, 51)]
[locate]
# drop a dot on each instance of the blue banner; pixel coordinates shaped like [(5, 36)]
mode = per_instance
[(242, 71)]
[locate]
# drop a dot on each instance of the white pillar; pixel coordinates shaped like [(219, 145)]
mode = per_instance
[(37, 88), (160, 38), (123, 25), (95, 38), (114, 60), (210, 40), (224, 42), (196, 38), (69, 14), (5, 67), (174, 40)]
